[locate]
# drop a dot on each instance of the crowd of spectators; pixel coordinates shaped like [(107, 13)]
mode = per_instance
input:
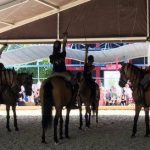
[(108, 97), (112, 96), (34, 99)]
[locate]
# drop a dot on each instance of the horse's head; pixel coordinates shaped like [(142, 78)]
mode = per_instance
[(132, 73), (26, 80), (123, 75)]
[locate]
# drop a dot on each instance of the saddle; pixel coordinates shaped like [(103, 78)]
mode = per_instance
[(65, 75)]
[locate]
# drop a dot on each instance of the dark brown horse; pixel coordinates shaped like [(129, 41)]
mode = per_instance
[(10, 86), (55, 91), (141, 98), (85, 97)]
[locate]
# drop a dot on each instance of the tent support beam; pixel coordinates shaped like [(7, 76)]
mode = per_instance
[(79, 40), (6, 23), (47, 4), (73, 4), (12, 4)]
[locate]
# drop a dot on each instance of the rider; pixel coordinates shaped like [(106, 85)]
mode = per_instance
[(58, 61), (88, 69), (58, 57)]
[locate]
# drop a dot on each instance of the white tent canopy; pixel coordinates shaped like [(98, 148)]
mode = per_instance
[(33, 53)]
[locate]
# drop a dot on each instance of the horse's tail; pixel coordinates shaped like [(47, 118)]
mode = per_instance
[(47, 100)]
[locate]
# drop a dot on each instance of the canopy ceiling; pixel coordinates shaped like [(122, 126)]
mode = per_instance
[(85, 20), (34, 53)]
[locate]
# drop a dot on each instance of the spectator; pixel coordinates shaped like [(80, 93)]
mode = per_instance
[(123, 99), (37, 97)]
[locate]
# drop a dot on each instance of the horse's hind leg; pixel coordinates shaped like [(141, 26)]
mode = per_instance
[(97, 112), (89, 119), (55, 126), (8, 117), (67, 123), (15, 118), (137, 111), (61, 127), (43, 135), (87, 116), (146, 109), (80, 111)]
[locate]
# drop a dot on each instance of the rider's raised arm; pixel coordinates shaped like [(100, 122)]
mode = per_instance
[(86, 54), (2, 48), (64, 41)]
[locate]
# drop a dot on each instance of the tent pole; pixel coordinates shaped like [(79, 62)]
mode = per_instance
[(58, 26), (147, 1), (148, 54)]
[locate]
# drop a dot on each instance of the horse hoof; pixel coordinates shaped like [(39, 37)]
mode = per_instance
[(9, 130), (56, 143), (146, 135), (44, 142), (80, 128), (17, 129), (88, 126), (68, 137), (133, 136)]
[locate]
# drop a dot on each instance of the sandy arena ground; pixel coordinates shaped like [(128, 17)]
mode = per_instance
[(112, 132)]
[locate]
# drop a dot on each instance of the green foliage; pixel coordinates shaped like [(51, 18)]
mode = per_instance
[(44, 72)]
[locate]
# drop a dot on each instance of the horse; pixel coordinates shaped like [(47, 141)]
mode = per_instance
[(58, 92), (140, 96), (85, 96), (10, 86)]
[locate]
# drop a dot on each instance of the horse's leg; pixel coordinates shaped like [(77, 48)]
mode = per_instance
[(146, 109), (61, 127), (97, 112), (67, 123), (137, 111), (8, 117), (86, 116), (15, 118), (55, 126), (89, 119), (80, 113), (43, 135)]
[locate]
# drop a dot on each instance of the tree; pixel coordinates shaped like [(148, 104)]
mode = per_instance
[(45, 70)]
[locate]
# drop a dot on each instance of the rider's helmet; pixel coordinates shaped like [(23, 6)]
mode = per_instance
[(90, 58), (57, 46)]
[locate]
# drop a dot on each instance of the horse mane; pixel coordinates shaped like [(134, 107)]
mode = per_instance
[(136, 68)]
